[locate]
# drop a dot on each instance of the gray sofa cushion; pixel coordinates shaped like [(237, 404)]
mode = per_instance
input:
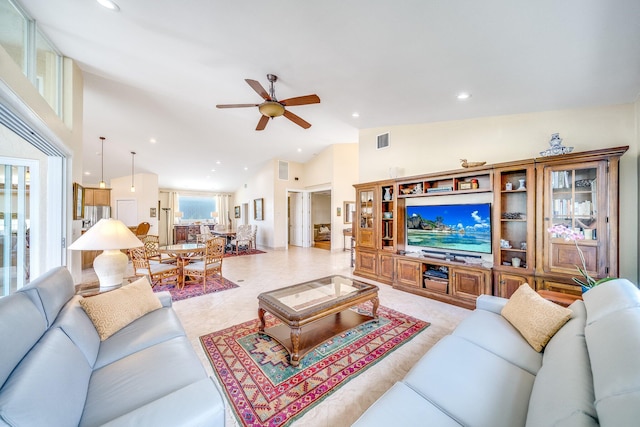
[(21, 326), (139, 379), (49, 386), (76, 324), (402, 396), (152, 328), (51, 291), (494, 333), (471, 384), (196, 405), (613, 328), (569, 402)]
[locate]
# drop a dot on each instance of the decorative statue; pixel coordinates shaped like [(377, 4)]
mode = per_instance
[(466, 164), (556, 147)]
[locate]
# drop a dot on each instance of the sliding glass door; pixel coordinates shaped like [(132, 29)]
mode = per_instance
[(15, 224)]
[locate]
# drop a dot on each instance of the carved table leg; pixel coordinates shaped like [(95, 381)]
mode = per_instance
[(261, 312), (376, 304), (295, 346)]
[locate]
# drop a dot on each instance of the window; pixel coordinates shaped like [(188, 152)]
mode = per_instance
[(13, 33), (38, 59), (196, 208)]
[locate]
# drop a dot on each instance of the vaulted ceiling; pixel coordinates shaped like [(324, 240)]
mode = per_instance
[(155, 70)]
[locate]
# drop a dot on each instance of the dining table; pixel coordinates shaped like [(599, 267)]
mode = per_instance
[(183, 252)]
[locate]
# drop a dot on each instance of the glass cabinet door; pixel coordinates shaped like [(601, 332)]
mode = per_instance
[(365, 235), (573, 204)]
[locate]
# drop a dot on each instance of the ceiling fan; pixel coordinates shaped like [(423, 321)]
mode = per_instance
[(271, 107)]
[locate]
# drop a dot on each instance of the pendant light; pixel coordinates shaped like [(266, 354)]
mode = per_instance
[(102, 183), (133, 187)]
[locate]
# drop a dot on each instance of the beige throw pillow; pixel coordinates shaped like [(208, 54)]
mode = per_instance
[(112, 311), (534, 317)]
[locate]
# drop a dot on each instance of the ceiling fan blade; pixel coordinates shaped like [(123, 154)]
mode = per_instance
[(262, 123), (297, 120), (302, 100), (255, 85), (236, 105)]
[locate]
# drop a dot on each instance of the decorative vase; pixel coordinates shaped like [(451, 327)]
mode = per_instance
[(387, 193), (584, 288), (522, 187)]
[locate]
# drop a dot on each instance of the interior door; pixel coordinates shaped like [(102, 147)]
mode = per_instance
[(295, 219)]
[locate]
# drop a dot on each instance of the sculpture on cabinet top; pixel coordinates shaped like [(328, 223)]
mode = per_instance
[(556, 147)]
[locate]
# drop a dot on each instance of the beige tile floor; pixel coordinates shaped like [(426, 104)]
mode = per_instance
[(275, 269)]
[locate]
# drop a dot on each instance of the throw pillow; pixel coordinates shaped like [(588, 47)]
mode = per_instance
[(112, 311), (534, 317)]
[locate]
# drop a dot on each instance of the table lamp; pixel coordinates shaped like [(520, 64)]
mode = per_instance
[(108, 235), (177, 216), (214, 215)]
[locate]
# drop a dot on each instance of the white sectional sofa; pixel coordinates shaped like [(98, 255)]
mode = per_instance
[(486, 374)]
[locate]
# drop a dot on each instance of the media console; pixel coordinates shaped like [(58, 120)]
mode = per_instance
[(578, 190)]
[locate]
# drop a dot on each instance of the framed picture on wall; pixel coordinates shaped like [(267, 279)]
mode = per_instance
[(78, 201), (258, 213), (236, 212)]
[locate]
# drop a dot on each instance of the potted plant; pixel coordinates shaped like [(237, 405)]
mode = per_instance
[(586, 281)]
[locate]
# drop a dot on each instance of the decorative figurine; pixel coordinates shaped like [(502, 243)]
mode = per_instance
[(466, 164), (556, 147)]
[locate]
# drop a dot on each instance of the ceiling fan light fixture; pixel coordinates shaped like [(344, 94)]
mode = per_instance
[(271, 109)]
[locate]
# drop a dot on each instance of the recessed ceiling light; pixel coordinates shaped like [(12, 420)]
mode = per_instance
[(356, 114), (246, 168), (87, 173), (299, 150), (109, 5), (218, 162), (464, 95), (153, 140), (213, 170)]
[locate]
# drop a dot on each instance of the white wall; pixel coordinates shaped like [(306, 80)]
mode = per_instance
[(433, 147)]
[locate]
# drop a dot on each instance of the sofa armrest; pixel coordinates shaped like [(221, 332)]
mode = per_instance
[(198, 404), (490, 303), (165, 298)]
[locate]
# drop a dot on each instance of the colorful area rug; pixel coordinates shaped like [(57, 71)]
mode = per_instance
[(194, 288), (250, 252), (264, 390)]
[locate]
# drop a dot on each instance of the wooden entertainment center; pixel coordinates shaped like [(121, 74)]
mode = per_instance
[(579, 190)]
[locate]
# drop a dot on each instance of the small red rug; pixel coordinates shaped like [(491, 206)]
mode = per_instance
[(264, 390), (243, 252), (194, 288)]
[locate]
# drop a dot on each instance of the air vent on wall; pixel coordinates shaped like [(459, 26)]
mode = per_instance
[(382, 141), (283, 170)]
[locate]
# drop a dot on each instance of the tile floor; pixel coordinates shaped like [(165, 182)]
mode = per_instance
[(275, 269)]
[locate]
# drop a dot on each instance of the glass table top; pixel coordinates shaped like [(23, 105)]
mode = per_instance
[(316, 294)]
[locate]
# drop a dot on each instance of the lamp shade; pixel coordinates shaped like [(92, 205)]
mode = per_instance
[(178, 214), (108, 233), (214, 214)]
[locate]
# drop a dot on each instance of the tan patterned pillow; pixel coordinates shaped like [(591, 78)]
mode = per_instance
[(112, 311), (534, 317)]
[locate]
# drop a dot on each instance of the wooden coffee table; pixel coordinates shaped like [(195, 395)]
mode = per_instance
[(315, 311)]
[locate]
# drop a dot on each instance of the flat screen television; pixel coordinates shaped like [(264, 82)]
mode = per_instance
[(450, 227)]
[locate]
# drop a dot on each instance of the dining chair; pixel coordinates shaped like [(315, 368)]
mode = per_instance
[(142, 229), (243, 238), (155, 272), (207, 265), (151, 244), (254, 232), (205, 234)]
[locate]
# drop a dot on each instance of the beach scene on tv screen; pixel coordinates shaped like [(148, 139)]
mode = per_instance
[(450, 227)]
